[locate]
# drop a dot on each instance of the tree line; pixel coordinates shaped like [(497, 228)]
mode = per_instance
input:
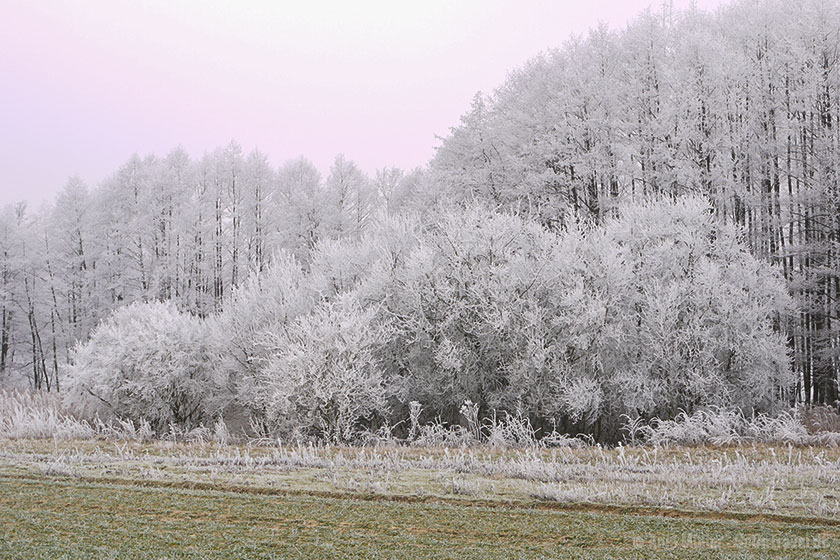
[(167, 229)]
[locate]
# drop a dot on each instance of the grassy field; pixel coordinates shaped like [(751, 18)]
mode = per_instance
[(109, 499), (74, 519)]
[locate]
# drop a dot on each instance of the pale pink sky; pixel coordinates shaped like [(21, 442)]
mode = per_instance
[(84, 84)]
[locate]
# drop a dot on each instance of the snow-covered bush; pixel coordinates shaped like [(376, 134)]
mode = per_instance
[(460, 298), (147, 361), (659, 309), (689, 314), (324, 377), (243, 334)]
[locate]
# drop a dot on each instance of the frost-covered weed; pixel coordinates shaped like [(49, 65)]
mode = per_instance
[(557, 493), (124, 429), (414, 409), (438, 434), (32, 415), (512, 431), (43, 416), (461, 486), (39, 415), (719, 426)]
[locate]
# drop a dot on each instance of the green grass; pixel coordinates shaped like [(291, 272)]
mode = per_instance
[(66, 518)]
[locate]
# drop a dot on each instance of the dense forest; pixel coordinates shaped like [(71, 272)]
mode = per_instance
[(639, 222)]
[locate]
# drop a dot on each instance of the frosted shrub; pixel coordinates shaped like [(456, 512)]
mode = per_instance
[(146, 361), (324, 377), (658, 309), (266, 303), (491, 321), (687, 317), (462, 298)]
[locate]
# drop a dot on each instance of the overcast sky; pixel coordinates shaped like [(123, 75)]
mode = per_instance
[(84, 84)]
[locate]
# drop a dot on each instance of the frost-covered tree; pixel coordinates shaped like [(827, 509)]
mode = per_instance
[(260, 215), (658, 308), (300, 207), (349, 200), (455, 295), (8, 274), (687, 313)]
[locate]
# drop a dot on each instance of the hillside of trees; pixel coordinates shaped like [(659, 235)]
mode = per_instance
[(641, 222), (741, 106)]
